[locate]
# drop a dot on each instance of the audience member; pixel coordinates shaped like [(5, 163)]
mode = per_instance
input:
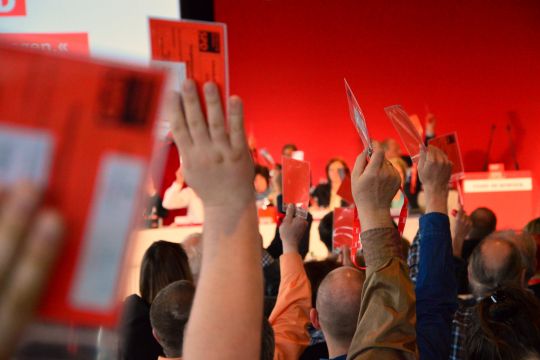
[(261, 182), (177, 196), (227, 314), (325, 195), (484, 222), (169, 315), (386, 323), (462, 228), (533, 228), (505, 325), (436, 288), (290, 316), (337, 308), (288, 149), (494, 263), (163, 263)]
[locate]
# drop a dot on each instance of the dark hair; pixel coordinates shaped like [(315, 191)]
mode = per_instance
[(533, 228), (268, 342), (263, 171), (162, 263), (293, 147), (326, 228), (169, 315), (486, 279), (316, 271), (505, 326), (339, 160), (484, 222)]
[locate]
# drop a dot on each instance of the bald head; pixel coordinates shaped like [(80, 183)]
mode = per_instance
[(496, 262), (338, 303), (484, 223)]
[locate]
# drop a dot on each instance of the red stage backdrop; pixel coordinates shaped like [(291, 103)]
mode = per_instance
[(472, 63)]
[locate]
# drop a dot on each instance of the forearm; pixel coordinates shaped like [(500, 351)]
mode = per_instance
[(436, 288), (230, 287)]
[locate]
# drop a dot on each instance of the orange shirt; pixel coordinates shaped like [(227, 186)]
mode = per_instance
[(290, 316)]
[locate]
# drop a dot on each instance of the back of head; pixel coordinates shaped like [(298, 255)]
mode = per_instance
[(338, 304), (163, 263), (505, 325), (316, 271), (326, 227), (494, 263), (484, 222), (526, 244), (533, 229), (192, 245), (169, 315), (268, 343)]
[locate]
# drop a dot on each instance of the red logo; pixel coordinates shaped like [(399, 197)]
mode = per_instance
[(12, 7)]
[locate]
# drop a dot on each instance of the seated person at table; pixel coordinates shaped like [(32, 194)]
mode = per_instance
[(169, 315), (325, 195), (163, 263), (178, 197)]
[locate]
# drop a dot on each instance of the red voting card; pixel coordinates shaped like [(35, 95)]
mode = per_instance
[(201, 46), (358, 118), (417, 124), (296, 181), (450, 146), (343, 230), (12, 7), (62, 43), (345, 190), (84, 130), (407, 130)]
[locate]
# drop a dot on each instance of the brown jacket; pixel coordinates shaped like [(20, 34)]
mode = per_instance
[(387, 320)]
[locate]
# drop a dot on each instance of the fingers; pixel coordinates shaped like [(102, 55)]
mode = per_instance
[(214, 110), (193, 113), (236, 124), (360, 164), (15, 217), (289, 214), (177, 121), (29, 277)]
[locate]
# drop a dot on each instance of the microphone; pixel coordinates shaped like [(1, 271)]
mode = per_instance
[(491, 133), (512, 146)]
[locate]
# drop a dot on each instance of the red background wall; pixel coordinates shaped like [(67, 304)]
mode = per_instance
[(473, 63)]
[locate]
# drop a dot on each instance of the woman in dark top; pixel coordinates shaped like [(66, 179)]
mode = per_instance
[(325, 195), (163, 263)]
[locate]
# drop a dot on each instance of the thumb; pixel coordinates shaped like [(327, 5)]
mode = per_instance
[(289, 214)]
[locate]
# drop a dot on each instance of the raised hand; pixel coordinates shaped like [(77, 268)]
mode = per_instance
[(291, 230), (462, 227), (374, 185), (216, 161), (434, 170), (29, 243)]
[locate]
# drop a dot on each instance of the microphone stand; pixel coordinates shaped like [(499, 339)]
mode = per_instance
[(491, 133), (512, 146)]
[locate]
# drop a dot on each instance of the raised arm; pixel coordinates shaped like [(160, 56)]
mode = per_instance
[(386, 324), (290, 316), (226, 317), (436, 289)]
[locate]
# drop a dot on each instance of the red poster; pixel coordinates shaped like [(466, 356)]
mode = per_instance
[(202, 46), (84, 130), (450, 146), (12, 7), (296, 181), (343, 230), (68, 43)]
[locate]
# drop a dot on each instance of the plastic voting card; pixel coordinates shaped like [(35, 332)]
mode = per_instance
[(193, 49), (407, 130), (450, 146), (345, 189), (296, 181), (358, 119), (84, 130), (343, 232)]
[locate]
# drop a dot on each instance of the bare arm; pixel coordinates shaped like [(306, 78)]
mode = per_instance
[(226, 318)]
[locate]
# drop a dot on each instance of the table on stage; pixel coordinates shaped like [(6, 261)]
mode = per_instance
[(144, 238)]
